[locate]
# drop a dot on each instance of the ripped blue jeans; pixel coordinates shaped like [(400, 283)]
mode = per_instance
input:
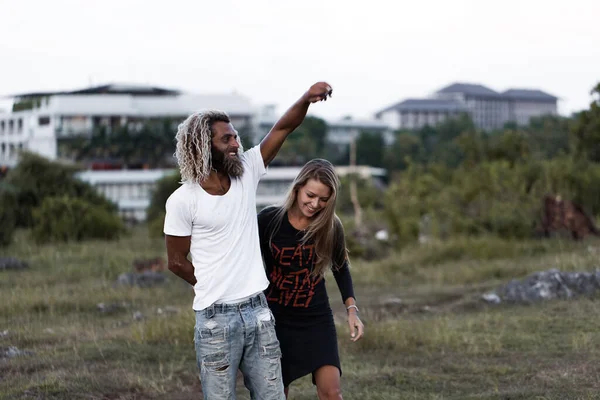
[(241, 336)]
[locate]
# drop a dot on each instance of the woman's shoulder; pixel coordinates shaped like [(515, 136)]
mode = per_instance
[(338, 226), (267, 213)]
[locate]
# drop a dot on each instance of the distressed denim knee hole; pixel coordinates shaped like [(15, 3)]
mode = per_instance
[(217, 363)]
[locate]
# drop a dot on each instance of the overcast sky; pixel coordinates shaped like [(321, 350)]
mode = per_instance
[(374, 53)]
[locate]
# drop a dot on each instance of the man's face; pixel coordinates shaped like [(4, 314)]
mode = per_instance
[(224, 149)]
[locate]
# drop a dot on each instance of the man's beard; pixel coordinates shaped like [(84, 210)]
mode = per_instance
[(231, 166)]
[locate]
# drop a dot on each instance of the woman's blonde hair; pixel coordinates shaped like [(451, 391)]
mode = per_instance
[(194, 143), (325, 230)]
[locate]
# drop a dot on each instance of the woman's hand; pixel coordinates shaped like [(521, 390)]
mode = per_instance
[(356, 326)]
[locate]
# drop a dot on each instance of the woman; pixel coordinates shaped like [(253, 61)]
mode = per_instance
[(300, 240)]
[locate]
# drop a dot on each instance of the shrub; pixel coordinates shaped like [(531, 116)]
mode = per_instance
[(368, 193), (498, 198), (36, 178), (156, 210), (63, 219), (156, 225), (8, 213)]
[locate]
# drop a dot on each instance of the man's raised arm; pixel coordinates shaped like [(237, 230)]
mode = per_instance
[(293, 117)]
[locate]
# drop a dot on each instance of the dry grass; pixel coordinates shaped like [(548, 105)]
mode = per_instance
[(439, 342)]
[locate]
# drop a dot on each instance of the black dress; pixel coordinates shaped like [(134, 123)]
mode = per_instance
[(299, 301)]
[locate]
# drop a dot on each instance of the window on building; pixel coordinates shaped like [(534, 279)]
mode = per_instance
[(20, 124), (11, 126), (134, 191), (2, 126), (44, 120)]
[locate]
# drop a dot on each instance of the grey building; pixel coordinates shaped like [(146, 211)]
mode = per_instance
[(523, 104), (488, 109), (415, 113)]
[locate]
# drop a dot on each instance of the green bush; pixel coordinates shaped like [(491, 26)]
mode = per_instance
[(156, 210), (156, 226), (361, 242), (36, 178), (499, 198), (63, 219), (369, 195), (8, 213)]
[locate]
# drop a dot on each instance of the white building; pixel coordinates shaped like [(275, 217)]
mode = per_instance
[(343, 131), (487, 108), (40, 119), (132, 190), (25, 130)]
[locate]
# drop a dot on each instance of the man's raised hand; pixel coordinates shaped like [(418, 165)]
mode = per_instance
[(319, 92)]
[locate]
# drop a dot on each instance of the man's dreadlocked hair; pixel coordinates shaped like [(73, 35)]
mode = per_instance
[(194, 141)]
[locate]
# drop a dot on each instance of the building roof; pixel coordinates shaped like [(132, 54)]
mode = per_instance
[(114, 88), (528, 94), (145, 106), (469, 89), (443, 100), (426, 105)]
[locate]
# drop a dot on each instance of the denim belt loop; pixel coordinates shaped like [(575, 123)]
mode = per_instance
[(209, 311), (263, 300), (254, 302)]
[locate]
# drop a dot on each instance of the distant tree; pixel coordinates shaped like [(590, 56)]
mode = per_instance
[(548, 136), (474, 147), (316, 129), (370, 149), (152, 145), (429, 138), (451, 128), (8, 213), (406, 148), (511, 146), (155, 143), (586, 130), (246, 134), (308, 141), (297, 150), (163, 189)]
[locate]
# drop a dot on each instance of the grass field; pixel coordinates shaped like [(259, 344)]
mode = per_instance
[(428, 335)]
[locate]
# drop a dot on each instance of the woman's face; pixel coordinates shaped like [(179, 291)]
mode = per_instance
[(312, 197)]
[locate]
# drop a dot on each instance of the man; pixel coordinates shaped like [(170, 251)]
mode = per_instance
[(212, 217)]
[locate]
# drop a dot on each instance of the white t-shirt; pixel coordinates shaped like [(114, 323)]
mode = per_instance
[(225, 246)]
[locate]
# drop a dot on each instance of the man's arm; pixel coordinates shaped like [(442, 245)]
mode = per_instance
[(293, 117), (178, 248)]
